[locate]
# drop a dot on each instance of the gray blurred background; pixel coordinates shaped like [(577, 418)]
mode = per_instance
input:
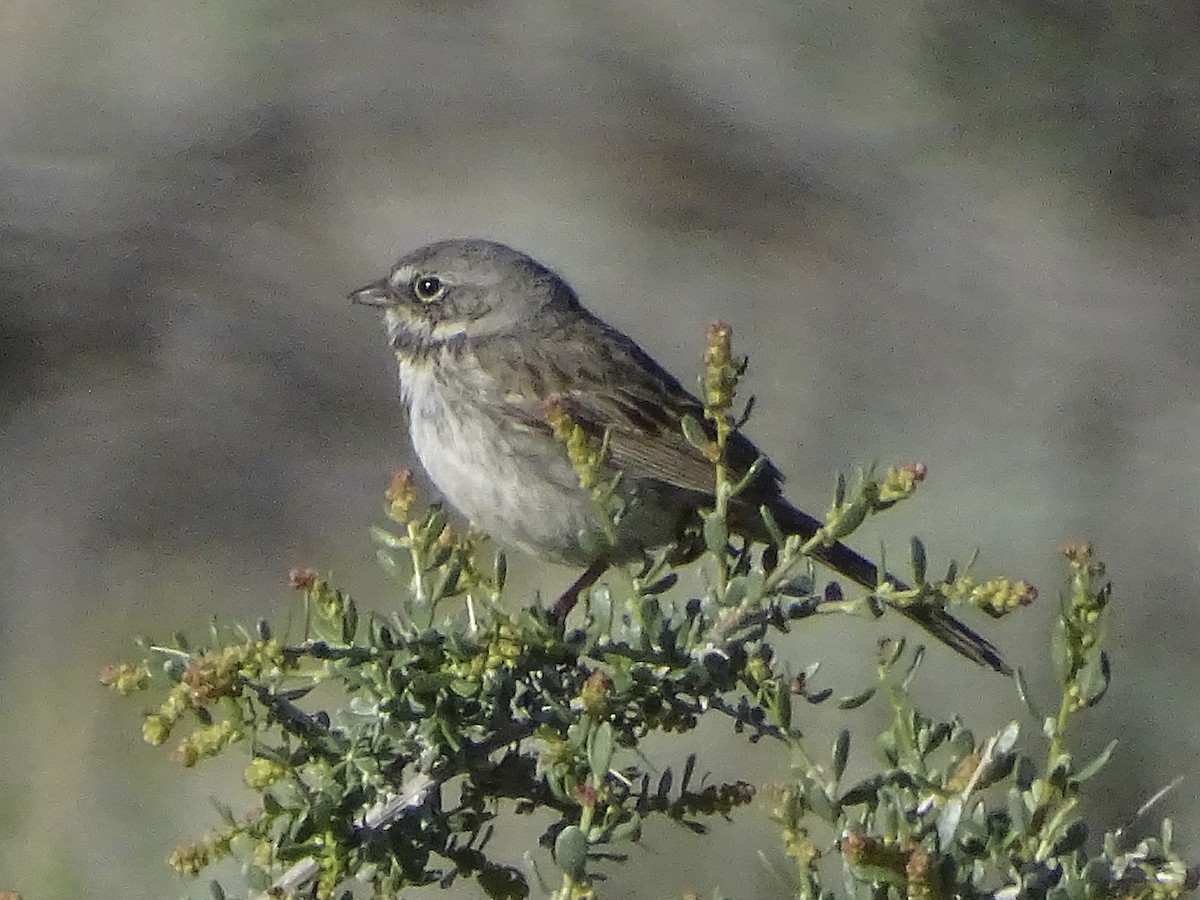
[(956, 231)]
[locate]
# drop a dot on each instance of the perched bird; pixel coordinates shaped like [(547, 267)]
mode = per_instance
[(488, 341)]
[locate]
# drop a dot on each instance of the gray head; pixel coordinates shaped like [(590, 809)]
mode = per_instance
[(464, 288)]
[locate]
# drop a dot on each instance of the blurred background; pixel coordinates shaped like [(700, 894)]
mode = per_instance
[(956, 231)]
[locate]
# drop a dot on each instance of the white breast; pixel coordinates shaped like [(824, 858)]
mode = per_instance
[(512, 481)]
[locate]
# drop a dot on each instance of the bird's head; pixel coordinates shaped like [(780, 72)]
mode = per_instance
[(463, 290)]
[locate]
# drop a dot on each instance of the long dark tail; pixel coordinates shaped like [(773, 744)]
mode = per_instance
[(943, 626)]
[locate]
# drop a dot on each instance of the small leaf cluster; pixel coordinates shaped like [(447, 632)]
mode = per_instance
[(947, 814)]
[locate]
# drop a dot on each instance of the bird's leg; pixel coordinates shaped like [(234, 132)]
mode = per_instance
[(564, 604)]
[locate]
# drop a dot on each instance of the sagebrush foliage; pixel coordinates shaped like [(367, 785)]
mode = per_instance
[(459, 708)]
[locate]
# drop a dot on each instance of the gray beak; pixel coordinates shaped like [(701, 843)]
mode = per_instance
[(377, 293)]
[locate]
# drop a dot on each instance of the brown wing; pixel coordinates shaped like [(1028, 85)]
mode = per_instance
[(641, 409)]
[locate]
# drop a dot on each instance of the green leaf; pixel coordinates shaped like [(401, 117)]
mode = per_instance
[(689, 768), (716, 535), (1018, 814), (734, 591), (948, 819), (818, 801), (1096, 764), (998, 769), (694, 432), (1093, 679), (778, 538), (848, 519), (919, 560), (432, 527), (910, 673), (890, 653), (951, 572), (857, 700), (841, 753), (387, 539), (1026, 697), (866, 791), (939, 733), (630, 830), (570, 851), (600, 750), (665, 783), (447, 583), (1007, 737)]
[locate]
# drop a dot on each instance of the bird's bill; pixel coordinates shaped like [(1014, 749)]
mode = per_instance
[(377, 293)]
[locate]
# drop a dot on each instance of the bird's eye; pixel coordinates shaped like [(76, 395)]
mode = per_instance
[(427, 288)]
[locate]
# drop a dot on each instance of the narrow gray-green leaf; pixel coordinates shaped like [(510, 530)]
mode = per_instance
[(857, 700), (1096, 764), (716, 535), (1006, 739), (948, 820), (919, 559), (841, 753), (600, 751)]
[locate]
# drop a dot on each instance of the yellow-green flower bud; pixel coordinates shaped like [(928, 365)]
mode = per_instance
[(125, 678), (595, 693), (156, 729), (401, 496), (262, 773)]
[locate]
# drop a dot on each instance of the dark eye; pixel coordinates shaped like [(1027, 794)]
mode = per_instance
[(427, 288)]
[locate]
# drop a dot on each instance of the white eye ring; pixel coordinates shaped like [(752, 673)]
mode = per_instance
[(428, 288)]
